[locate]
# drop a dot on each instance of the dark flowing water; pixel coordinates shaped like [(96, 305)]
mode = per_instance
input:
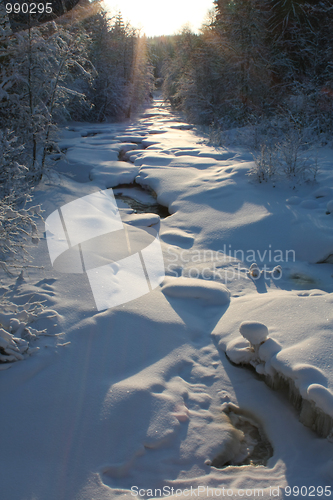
[(131, 194)]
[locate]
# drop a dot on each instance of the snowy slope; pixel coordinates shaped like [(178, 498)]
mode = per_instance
[(132, 396)]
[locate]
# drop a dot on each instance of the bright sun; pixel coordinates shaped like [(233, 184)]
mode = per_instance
[(161, 18)]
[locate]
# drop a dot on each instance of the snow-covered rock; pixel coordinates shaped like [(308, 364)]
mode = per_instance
[(254, 332)]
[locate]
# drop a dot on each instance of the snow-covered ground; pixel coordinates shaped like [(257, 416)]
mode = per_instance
[(120, 402)]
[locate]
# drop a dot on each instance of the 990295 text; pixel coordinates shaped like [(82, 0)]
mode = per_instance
[(307, 491), (29, 8)]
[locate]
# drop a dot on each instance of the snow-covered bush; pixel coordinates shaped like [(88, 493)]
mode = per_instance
[(288, 155), (16, 332), (265, 164), (11, 348), (17, 229), (294, 160), (12, 172), (215, 136), (17, 219)]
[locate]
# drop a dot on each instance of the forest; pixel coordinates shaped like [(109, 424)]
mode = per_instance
[(263, 65)]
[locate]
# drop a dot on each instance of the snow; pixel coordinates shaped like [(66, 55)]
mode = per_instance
[(213, 293), (111, 174), (254, 332), (129, 385), (329, 206), (141, 219)]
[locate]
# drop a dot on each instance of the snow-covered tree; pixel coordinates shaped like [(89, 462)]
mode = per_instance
[(5, 28), (17, 215), (239, 29), (113, 51), (38, 68), (39, 71), (178, 66)]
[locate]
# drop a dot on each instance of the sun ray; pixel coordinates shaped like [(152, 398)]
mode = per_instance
[(164, 19)]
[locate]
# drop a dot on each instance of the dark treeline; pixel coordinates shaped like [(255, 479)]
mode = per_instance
[(254, 59)]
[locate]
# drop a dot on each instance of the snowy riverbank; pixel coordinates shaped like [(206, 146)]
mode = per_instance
[(132, 396)]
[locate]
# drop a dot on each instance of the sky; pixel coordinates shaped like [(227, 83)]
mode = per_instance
[(161, 17)]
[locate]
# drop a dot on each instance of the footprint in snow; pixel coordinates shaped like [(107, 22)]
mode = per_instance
[(178, 238)]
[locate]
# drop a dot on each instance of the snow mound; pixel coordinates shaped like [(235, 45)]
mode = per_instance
[(294, 200), (191, 288), (323, 192), (329, 206), (239, 351), (88, 155), (254, 332), (322, 397), (255, 348), (110, 174), (182, 126), (154, 159), (141, 219), (137, 139), (309, 204)]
